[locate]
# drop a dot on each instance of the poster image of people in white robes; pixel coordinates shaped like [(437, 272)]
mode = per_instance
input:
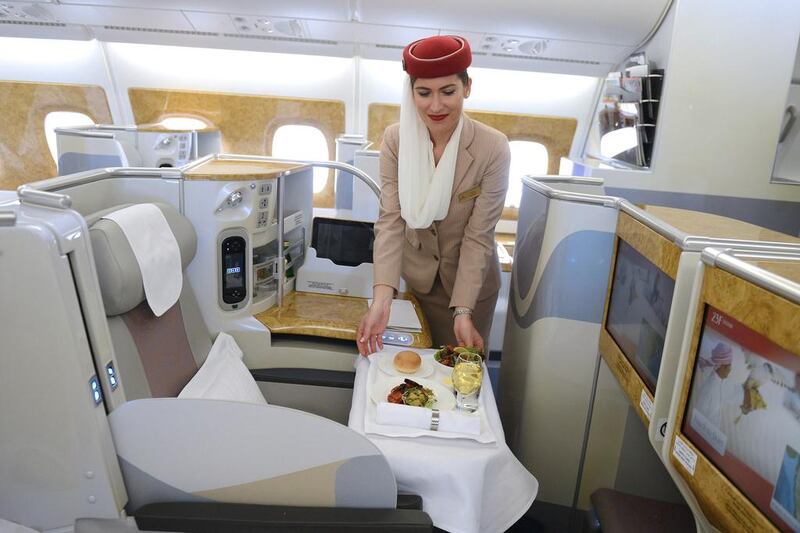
[(744, 414)]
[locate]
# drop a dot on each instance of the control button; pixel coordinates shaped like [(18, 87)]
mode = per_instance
[(234, 198), (112, 376), (97, 395), (398, 339)]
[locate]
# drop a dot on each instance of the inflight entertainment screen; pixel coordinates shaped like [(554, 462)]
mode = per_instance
[(743, 414), (641, 297)]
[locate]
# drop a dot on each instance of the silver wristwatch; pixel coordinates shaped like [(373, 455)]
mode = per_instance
[(461, 311)]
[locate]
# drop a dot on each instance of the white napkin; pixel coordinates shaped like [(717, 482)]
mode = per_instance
[(13, 527), (156, 251), (393, 414), (402, 316)]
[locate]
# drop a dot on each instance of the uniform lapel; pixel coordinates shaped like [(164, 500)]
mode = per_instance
[(465, 158)]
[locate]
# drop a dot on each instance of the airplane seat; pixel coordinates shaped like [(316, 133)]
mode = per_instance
[(613, 511), (156, 355), (250, 463)]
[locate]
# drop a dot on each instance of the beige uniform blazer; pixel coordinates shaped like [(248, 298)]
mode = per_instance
[(460, 248)]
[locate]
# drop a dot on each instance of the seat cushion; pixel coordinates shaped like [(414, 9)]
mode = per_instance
[(163, 348), (626, 513)]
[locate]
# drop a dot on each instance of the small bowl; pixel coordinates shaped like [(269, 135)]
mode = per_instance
[(441, 366), (447, 368)]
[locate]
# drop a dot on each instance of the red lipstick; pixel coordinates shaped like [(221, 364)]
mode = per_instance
[(437, 118)]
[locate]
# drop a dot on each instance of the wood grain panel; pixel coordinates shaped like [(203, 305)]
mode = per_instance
[(632, 385), (24, 155), (764, 312), (330, 316), (665, 255), (657, 249), (247, 123), (555, 133), (239, 170), (789, 269), (777, 319), (715, 226)]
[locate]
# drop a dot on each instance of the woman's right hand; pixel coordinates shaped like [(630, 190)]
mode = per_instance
[(374, 322)]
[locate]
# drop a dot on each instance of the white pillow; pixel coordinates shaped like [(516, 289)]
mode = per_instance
[(224, 376)]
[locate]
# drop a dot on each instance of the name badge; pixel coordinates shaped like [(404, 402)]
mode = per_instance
[(470, 194)]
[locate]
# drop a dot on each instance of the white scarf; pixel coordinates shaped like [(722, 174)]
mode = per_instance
[(424, 188)]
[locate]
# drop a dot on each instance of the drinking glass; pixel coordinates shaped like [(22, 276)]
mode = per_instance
[(467, 377)]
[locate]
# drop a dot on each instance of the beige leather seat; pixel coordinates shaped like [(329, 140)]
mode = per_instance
[(196, 453)]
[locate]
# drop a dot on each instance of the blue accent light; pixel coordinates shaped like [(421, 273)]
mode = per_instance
[(112, 376), (397, 339), (97, 395)]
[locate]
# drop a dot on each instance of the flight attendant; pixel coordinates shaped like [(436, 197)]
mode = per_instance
[(444, 178)]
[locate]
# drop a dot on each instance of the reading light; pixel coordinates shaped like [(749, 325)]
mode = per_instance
[(533, 48)]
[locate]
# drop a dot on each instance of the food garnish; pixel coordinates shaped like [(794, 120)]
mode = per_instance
[(448, 354), (412, 393)]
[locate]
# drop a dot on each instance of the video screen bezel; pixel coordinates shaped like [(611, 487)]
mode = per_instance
[(318, 221), (721, 501), (632, 359), (665, 255)]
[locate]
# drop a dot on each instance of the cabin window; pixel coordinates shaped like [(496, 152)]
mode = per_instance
[(62, 119), (527, 157), (183, 123), (303, 143)]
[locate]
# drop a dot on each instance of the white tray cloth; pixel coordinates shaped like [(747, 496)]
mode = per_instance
[(466, 486), (370, 411)]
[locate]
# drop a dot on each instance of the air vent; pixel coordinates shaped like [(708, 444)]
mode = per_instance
[(31, 23), (273, 27), (31, 13), (158, 30), (275, 38), (555, 59)]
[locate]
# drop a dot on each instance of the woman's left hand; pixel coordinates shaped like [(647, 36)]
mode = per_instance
[(466, 334)]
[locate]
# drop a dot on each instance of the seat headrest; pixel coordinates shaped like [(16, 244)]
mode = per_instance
[(117, 269)]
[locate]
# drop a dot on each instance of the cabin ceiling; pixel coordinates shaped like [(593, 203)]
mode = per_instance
[(569, 36)]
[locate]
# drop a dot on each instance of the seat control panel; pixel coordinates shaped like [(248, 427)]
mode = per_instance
[(397, 338), (232, 249)]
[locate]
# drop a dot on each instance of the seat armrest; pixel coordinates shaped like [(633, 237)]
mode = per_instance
[(222, 451), (409, 501), (306, 376), (234, 518)]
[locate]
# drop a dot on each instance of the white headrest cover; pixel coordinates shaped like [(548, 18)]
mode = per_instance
[(117, 269)]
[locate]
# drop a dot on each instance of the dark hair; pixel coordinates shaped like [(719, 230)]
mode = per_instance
[(463, 76)]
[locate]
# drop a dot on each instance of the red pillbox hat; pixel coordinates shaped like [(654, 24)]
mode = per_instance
[(434, 57)]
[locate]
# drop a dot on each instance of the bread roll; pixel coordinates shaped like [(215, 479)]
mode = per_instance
[(407, 362)]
